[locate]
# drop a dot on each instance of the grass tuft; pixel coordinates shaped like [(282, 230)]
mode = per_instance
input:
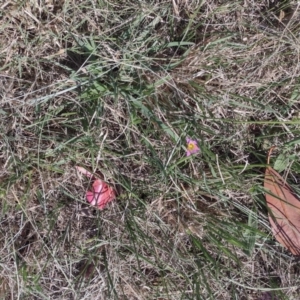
[(117, 87)]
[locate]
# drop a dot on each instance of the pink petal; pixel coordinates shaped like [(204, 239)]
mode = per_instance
[(89, 196), (84, 171), (101, 194)]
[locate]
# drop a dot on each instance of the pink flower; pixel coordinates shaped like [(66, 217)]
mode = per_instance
[(101, 194), (192, 147)]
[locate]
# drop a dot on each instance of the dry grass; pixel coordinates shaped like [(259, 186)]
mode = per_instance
[(117, 87)]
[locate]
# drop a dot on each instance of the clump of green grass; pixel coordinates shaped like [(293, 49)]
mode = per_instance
[(117, 87)]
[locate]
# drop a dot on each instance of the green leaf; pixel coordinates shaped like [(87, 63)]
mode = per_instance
[(281, 162)]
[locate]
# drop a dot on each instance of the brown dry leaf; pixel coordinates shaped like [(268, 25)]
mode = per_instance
[(284, 210)]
